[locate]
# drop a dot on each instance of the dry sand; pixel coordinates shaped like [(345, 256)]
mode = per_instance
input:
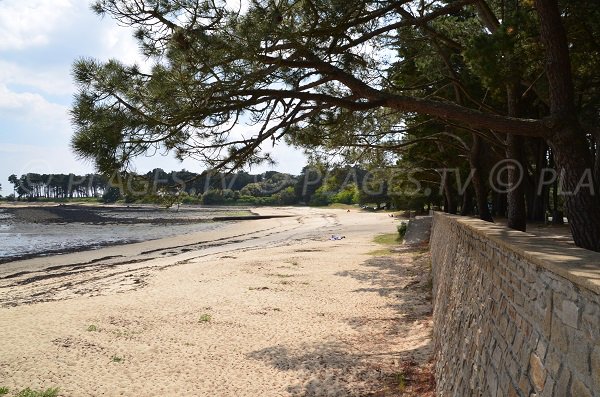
[(260, 308)]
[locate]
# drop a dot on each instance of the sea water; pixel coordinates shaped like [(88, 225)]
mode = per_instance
[(22, 239)]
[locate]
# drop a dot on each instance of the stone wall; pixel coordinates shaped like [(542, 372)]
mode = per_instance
[(513, 315)]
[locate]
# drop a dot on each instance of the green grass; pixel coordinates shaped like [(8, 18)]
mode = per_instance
[(205, 318), (3, 391), (342, 206), (92, 328), (389, 239), (401, 380), (117, 359), (281, 275), (52, 392)]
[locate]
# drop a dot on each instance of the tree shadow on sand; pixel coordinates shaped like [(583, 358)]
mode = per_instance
[(335, 369), (404, 277), (390, 356)]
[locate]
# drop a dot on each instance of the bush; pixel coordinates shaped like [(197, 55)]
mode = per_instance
[(349, 195), (320, 198), (287, 196), (111, 195), (187, 199), (213, 197), (402, 227)]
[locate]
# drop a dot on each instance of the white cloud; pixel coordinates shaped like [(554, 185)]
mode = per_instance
[(35, 115), (118, 43), (27, 23), (48, 80)]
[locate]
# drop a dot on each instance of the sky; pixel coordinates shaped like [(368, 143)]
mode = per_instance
[(39, 40)]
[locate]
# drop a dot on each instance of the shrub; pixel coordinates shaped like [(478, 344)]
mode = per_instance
[(402, 227)]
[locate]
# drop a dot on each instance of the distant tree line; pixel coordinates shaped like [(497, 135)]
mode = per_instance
[(315, 185), (57, 186)]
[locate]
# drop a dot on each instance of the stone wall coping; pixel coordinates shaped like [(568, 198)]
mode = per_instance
[(578, 265)]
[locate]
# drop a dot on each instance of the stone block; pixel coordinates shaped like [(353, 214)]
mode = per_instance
[(579, 354), (492, 380), (547, 324), (531, 275), (517, 342), (521, 270), (562, 384), (537, 372), (497, 358), (519, 299), (590, 321), (532, 294), (559, 337), (579, 389), (524, 385), (570, 313), (595, 364), (548, 388), (553, 362), (512, 368), (542, 347), (510, 333)]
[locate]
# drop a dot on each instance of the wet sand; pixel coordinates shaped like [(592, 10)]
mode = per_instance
[(29, 230), (268, 307)]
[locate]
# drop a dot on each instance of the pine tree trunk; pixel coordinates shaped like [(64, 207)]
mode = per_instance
[(539, 191), (467, 204), (582, 203), (517, 214), (450, 199), (571, 148), (481, 191), (597, 161)]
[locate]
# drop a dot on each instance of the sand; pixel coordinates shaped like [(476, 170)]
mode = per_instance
[(260, 308)]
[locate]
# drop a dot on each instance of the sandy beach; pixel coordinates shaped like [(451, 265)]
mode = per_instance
[(269, 307)]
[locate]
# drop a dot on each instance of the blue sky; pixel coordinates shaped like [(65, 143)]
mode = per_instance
[(39, 40)]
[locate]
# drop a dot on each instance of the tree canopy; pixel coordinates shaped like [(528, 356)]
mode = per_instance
[(353, 74)]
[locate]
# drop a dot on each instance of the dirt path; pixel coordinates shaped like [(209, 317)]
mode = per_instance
[(273, 308)]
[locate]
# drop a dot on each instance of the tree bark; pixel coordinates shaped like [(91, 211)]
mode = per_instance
[(481, 191), (449, 198), (537, 209), (517, 212), (467, 203), (570, 146), (597, 159)]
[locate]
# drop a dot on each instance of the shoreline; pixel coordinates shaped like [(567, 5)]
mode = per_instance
[(28, 219), (270, 307)]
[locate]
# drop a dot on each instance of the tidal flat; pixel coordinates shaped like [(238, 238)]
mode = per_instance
[(28, 231)]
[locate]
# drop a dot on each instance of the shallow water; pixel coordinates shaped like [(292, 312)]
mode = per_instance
[(21, 239)]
